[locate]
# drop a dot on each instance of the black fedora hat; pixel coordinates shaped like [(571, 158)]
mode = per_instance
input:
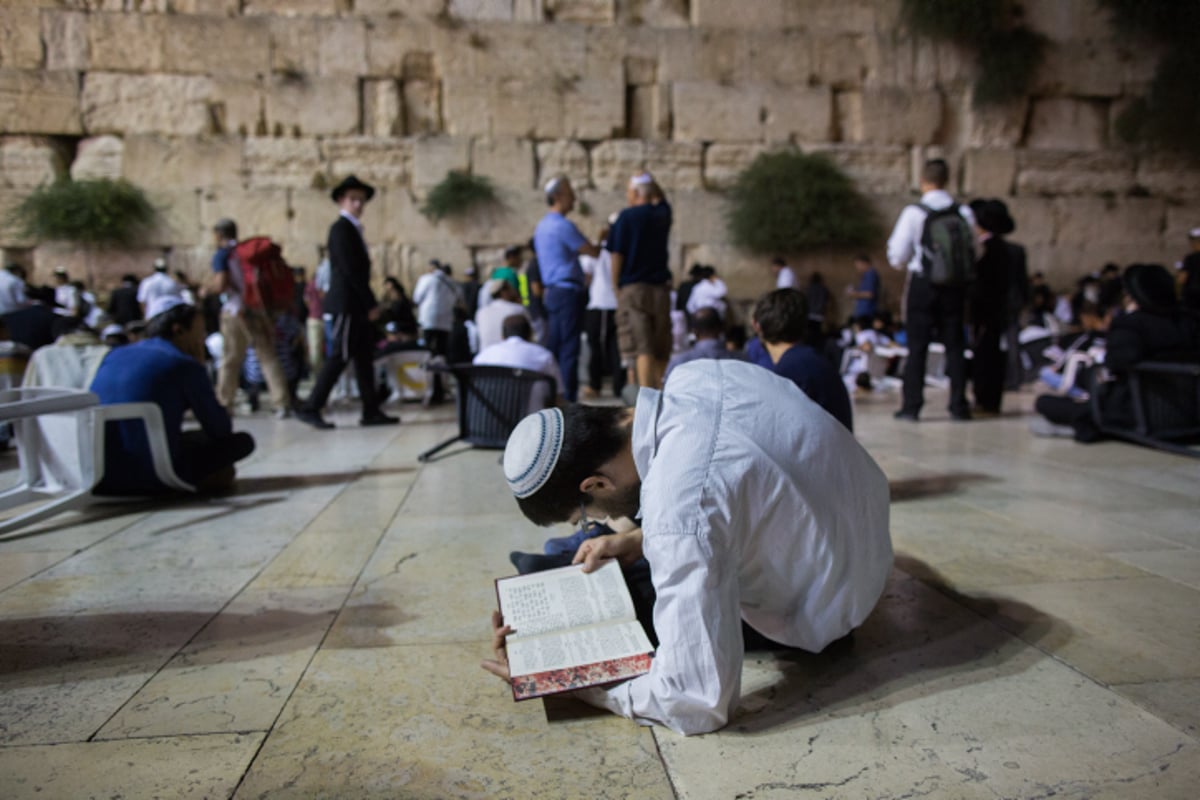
[(351, 182), (1151, 286), (993, 217)]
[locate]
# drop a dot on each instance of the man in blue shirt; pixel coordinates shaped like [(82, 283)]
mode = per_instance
[(866, 293), (558, 244), (167, 369), (642, 274), (781, 319)]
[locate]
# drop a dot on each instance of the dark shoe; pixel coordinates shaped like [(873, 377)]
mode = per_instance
[(378, 418), (960, 416), (535, 562), (907, 416), (313, 418)]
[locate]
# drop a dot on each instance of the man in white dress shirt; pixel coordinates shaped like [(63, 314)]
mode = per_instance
[(503, 302), (763, 521), (785, 276), (158, 284), (516, 350)]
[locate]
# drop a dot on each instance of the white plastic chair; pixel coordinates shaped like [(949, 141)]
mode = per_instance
[(60, 436), (406, 373)]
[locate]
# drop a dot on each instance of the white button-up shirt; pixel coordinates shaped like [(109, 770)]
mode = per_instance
[(904, 245), (600, 291), (12, 292), (516, 352), (757, 506), (157, 284), (489, 321), (786, 279), (435, 296), (708, 294)]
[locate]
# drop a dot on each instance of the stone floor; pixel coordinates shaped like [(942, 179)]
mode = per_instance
[(318, 634)]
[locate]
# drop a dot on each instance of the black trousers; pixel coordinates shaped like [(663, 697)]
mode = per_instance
[(202, 456), (438, 342), (989, 366), (934, 312), (353, 341), (600, 324)]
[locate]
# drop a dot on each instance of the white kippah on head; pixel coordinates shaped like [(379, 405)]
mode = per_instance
[(552, 186), (532, 451), (641, 179), (1194, 233), (162, 304)]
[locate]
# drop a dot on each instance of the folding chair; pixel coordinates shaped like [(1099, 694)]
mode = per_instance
[(1166, 406), (491, 401)]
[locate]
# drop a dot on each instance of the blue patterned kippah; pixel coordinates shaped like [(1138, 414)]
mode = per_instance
[(532, 451)]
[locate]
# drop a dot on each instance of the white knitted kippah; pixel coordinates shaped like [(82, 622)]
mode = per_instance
[(641, 179), (162, 304), (532, 451)]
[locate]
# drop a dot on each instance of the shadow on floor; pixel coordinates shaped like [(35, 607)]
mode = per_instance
[(934, 485), (283, 483), (923, 637)]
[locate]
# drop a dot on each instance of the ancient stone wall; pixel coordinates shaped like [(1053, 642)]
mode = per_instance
[(253, 108)]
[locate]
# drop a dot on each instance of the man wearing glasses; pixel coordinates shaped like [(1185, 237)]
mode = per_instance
[(764, 524)]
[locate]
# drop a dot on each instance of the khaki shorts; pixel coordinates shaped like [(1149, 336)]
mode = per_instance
[(644, 321)]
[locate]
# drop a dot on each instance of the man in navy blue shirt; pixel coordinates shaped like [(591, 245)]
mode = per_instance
[(167, 369), (866, 293), (642, 274), (558, 245), (781, 319)]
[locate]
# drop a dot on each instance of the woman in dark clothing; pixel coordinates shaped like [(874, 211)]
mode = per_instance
[(1153, 325), (398, 308), (988, 300)]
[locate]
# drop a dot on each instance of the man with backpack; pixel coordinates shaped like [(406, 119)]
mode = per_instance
[(245, 321), (934, 241)]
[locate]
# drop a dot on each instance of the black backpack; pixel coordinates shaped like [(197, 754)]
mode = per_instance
[(947, 247)]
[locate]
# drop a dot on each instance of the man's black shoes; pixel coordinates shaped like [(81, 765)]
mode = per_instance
[(907, 416), (313, 418), (378, 418)]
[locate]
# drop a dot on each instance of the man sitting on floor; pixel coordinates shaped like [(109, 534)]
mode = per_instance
[(167, 369), (764, 523), (781, 319)]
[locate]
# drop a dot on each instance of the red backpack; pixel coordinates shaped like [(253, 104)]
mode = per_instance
[(268, 281)]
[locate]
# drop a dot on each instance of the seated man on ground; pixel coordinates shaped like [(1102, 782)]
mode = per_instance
[(781, 319), (516, 350), (166, 368), (706, 327), (764, 524), (1153, 326)]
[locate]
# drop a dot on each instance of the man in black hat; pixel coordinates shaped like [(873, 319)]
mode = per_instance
[(352, 305), (987, 300)]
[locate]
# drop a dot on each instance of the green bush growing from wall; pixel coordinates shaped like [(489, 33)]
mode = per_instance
[(92, 213), (788, 202), (458, 193)]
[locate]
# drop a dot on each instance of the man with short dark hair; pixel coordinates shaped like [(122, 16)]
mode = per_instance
[(764, 523), (931, 310), (123, 305), (516, 350), (558, 245), (167, 369), (706, 327), (781, 320), (352, 305), (641, 271), (503, 302)]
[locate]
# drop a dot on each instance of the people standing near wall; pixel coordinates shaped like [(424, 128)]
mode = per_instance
[(604, 354), (158, 284), (351, 304), (558, 245), (785, 276), (436, 296), (988, 304), (641, 271)]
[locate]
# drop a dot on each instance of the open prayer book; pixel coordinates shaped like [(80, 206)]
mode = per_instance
[(571, 630)]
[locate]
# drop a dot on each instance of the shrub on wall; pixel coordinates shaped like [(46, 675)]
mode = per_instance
[(1008, 54), (788, 202), (458, 193), (93, 213)]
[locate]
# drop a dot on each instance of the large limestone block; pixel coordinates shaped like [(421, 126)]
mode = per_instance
[(1094, 220), (1051, 172), (383, 110), (989, 171), (435, 156), (380, 161), (403, 220), (258, 211), (318, 45), (1080, 69), (593, 108), (1065, 20), (875, 169), (699, 216), (216, 45), (126, 42), (409, 9), (840, 61), (421, 102), (159, 162), (649, 112), (39, 102), (468, 110), (751, 14), (891, 63), (562, 157), (945, 65), (890, 116), (675, 165), (1168, 176), (114, 102), (713, 112), (1034, 217), (724, 162), (178, 218), (1181, 218), (798, 113), (597, 12), (654, 13), (65, 39), (391, 41), (219, 8), (98, 157), (29, 161), (237, 105), (509, 221), (313, 105), (283, 162), (1060, 123), (298, 8), (992, 126), (614, 161), (507, 161), (481, 9), (311, 211), (10, 235), (20, 39), (500, 51)]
